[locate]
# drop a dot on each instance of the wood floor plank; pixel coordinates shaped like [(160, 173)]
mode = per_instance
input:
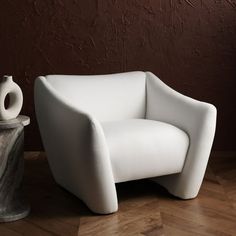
[(139, 216), (173, 231), (209, 214), (184, 226), (4, 231), (26, 228), (224, 168)]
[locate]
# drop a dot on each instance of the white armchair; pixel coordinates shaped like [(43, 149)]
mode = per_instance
[(104, 129)]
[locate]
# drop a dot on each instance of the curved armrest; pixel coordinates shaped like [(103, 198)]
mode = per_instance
[(197, 119), (76, 148)]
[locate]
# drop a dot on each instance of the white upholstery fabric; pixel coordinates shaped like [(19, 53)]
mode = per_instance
[(82, 121), (144, 148), (110, 92), (197, 119)]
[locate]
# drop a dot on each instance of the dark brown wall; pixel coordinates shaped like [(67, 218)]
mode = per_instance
[(189, 44)]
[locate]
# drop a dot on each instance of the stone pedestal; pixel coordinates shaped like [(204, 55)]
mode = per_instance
[(12, 204)]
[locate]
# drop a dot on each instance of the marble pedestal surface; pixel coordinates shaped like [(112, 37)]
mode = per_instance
[(12, 204)]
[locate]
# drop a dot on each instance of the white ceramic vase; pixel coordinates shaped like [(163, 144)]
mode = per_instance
[(9, 87)]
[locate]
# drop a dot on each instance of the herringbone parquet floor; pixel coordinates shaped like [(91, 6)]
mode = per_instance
[(144, 207)]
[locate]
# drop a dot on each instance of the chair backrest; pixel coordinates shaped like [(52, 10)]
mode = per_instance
[(107, 97)]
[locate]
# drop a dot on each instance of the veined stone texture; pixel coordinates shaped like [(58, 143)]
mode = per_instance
[(12, 205)]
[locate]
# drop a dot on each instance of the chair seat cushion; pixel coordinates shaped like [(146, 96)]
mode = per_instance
[(142, 148)]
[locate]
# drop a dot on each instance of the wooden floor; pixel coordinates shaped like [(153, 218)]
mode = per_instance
[(144, 207)]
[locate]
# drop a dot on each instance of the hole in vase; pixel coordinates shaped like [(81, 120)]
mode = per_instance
[(7, 101)]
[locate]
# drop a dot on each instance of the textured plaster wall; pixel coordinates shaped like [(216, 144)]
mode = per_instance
[(189, 44)]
